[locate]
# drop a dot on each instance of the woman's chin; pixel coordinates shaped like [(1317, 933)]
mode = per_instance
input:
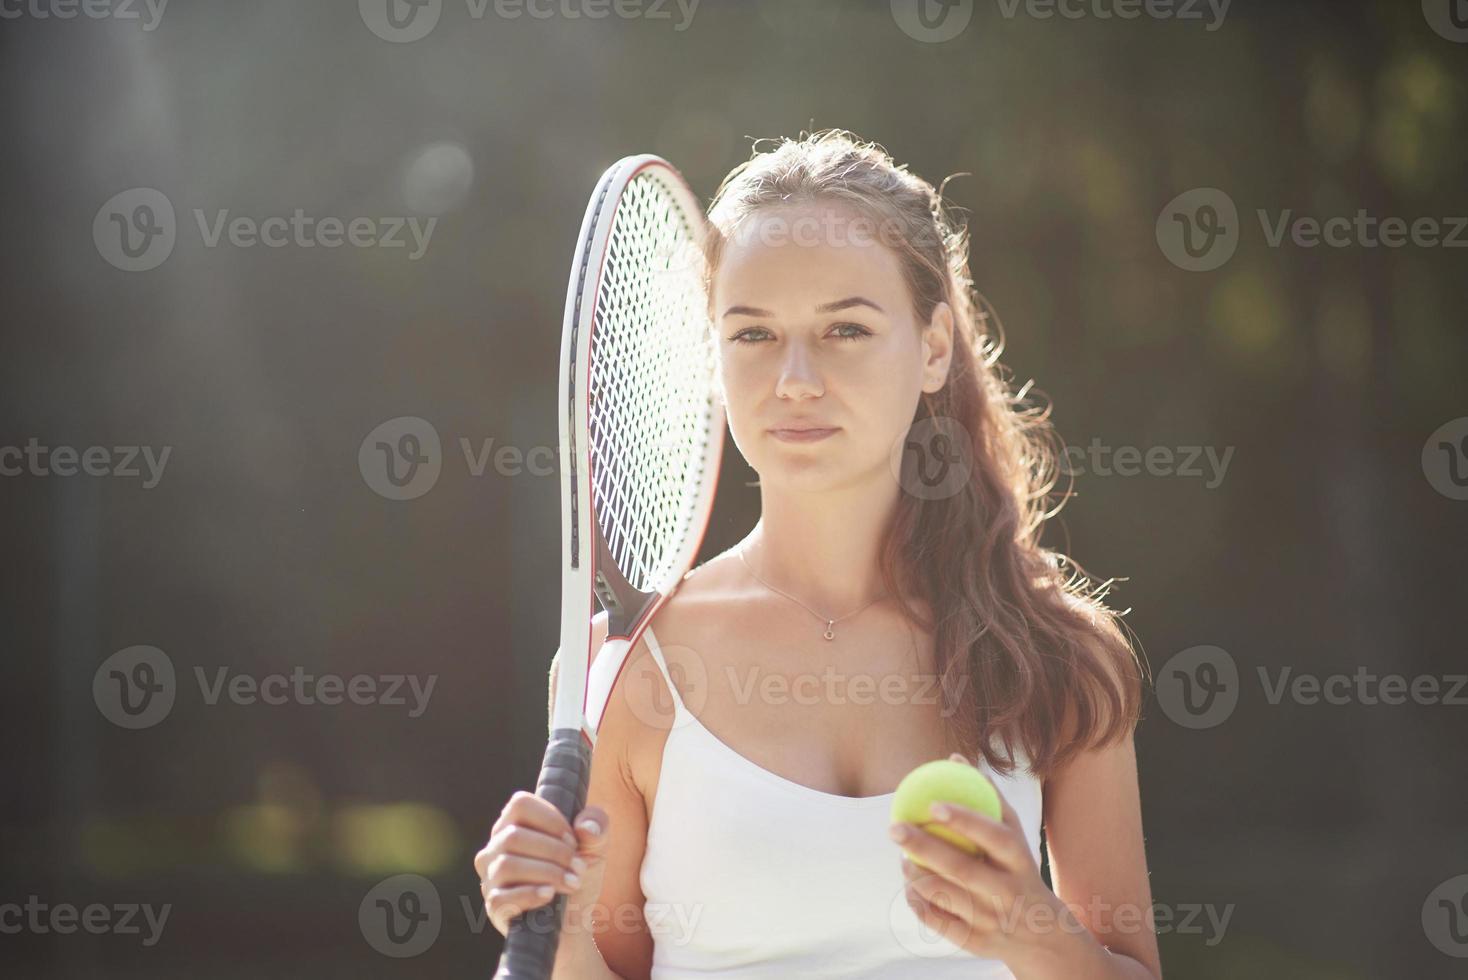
[(805, 475)]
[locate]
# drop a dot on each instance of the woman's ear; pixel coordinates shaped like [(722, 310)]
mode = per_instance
[(937, 348)]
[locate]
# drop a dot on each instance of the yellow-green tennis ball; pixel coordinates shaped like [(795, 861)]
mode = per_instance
[(944, 781)]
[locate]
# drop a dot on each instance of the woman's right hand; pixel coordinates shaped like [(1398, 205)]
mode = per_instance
[(530, 853)]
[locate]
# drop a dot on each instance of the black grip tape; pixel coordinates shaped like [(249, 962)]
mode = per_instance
[(530, 946)]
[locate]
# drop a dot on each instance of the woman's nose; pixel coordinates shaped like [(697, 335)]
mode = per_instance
[(799, 377)]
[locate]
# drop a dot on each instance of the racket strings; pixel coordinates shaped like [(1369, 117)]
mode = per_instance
[(651, 383)]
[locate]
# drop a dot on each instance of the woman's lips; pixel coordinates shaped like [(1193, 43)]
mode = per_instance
[(803, 434)]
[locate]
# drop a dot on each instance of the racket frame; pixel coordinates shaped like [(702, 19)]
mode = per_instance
[(588, 573), (584, 686)]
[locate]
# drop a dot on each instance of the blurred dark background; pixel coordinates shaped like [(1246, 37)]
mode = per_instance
[(1332, 543)]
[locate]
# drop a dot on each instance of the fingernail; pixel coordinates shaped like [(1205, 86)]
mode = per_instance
[(590, 826), (569, 839), (898, 833), (572, 880), (544, 891), (578, 865), (940, 811)]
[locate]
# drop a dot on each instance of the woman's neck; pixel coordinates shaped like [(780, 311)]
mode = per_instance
[(823, 548)]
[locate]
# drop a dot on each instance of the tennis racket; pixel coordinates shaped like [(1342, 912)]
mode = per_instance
[(642, 431)]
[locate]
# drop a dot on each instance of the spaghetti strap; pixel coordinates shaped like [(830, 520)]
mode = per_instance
[(657, 655)]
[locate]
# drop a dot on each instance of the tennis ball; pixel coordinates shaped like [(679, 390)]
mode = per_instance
[(944, 781)]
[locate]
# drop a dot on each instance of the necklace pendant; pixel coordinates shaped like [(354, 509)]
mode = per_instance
[(829, 634)]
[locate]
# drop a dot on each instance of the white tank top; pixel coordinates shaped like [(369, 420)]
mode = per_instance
[(751, 876)]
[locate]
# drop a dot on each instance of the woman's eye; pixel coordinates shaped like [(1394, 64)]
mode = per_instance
[(841, 331)]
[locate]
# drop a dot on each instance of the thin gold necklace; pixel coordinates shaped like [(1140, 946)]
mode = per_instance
[(830, 632)]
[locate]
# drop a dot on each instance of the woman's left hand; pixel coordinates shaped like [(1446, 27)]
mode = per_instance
[(994, 904)]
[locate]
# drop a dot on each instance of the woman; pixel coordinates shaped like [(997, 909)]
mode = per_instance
[(891, 606)]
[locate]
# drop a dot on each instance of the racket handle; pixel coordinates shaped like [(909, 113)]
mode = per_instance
[(530, 945)]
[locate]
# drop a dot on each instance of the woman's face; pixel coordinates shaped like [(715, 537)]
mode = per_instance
[(821, 359)]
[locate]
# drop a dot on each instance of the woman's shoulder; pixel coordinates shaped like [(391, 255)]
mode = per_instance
[(639, 713), (711, 590), (697, 609)]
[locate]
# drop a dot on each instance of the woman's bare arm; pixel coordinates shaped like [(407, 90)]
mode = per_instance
[(610, 940), (1098, 861)]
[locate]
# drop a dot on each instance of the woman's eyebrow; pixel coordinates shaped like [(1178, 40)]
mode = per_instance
[(746, 311), (832, 307), (847, 303)]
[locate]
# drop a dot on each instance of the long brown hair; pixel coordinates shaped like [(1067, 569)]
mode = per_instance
[(1029, 654)]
